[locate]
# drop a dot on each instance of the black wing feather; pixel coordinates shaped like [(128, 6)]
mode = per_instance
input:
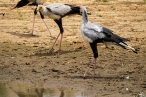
[(107, 31), (111, 37), (74, 9), (21, 3)]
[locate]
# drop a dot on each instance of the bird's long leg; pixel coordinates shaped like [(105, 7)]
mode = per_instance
[(33, 24), (95, 52), (87, 70), (46, 24), (47, 28), (35, 12), (54, 43), (94, 65), (60, 45), (59, 23)]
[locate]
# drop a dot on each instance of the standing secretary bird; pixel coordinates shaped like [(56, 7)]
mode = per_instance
[(22, 3), (94, 33), (56, 12)]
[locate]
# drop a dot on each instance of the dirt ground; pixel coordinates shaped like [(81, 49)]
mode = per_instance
[(120, 72)]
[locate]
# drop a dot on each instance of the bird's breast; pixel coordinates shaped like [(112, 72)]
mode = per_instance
[(86, 38), (50, 15), (53, 16)]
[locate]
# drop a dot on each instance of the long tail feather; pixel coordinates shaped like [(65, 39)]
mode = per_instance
[(120, 41), (128, 47)]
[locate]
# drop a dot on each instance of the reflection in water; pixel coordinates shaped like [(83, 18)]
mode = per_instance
[(36, 90)]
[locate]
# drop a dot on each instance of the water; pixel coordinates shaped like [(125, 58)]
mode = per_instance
[(9, 89)]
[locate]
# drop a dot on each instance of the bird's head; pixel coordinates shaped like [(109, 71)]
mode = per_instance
[(83, 9), (40, 7)]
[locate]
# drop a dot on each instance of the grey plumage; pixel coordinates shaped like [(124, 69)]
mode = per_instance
[(95, 33), (58, 10)]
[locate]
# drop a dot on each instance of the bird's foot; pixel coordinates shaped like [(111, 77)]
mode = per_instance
[(84, 76), (58, 53), (32, 34), (51, 50), (94, 76)]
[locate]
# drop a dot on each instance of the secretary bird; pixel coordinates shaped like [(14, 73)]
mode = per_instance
[(95, 33), (57, 11)]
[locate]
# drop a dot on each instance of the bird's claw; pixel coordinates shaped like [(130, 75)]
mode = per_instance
[(32, 33), (51, 50), (58, 53), (84, 76)]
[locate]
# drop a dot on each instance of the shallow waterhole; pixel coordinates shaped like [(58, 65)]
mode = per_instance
[(21, 89)]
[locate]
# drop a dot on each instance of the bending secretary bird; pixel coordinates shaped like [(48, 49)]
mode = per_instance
[(95, 33), (57, 11)]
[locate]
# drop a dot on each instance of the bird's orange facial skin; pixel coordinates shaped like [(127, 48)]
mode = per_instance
[(40, 8)]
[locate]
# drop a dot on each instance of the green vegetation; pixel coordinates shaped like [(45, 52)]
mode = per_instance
[(99, 15), (144, 0), (12, 0), (105, 0), (95, 1), (101, 0), (20, 15), (112, 7)]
